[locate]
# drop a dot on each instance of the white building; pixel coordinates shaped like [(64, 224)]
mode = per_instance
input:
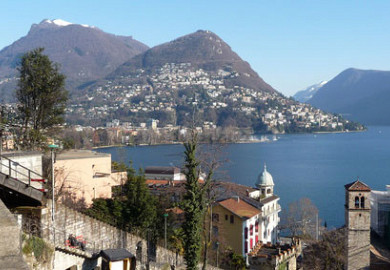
[(380, 212), (270, 209)]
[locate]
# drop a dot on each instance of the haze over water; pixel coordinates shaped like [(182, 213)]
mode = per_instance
[(316, 166)]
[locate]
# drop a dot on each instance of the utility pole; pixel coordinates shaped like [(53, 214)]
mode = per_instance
[(52, 149)]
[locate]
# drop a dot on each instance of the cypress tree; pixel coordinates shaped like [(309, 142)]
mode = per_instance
[(193, 206)]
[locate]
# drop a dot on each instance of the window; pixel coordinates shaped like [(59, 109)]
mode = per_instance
[(362, 202), (257, 227), (268, 191), (231, 219), (246, 246), (356, 202), (251, 230), (226, 217), (216, 217), (246, 233)]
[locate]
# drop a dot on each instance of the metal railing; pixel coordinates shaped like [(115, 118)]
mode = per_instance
[(19, 172)]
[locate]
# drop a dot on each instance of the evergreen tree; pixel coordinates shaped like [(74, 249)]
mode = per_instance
[(42, 96), (194, 205), (140, 209)]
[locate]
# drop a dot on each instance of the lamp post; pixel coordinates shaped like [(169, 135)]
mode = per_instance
[(52, 149), (165, 230), (217, 243)]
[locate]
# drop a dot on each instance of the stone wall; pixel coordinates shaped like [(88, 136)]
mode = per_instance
[(100, 235), (10, 241)]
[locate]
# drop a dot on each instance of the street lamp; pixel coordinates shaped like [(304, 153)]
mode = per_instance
[(52, 149), (165, 230), (217, 243)]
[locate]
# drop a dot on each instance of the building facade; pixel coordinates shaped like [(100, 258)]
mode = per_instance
[(81, 176), (380, 213), (261, 219), (236, 224), (357, 222)]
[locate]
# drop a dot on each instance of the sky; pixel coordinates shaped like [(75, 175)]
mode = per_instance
[(290, 44)]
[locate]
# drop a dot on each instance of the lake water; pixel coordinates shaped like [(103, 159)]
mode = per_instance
[(316, 166)]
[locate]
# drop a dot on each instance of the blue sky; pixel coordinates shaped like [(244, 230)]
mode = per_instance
[(290, 44)]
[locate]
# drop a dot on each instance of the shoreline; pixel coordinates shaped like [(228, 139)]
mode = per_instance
[(237, 142)]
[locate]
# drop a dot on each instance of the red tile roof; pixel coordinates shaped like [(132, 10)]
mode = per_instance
[(239, 208), (175, 210), (357, 186)]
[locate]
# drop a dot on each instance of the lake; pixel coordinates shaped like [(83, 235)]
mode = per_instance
[(316, 166)]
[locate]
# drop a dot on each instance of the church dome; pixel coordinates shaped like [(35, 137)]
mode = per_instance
[(265, 178)]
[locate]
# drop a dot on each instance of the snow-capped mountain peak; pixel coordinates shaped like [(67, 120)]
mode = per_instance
[(61, 23), (309, 92)]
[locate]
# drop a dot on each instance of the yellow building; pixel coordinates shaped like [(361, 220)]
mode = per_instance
[(236, 224), (81, 176)]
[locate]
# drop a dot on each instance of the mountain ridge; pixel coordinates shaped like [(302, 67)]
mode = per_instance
[(84, 53), (360, 95), (203, 49)]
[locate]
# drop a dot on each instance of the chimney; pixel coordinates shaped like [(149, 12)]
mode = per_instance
[(236, 198)]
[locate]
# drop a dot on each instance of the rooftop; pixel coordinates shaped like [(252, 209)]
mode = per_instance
[(357, 186), (269, 199), (116, 254), (161, 170), (21, 154), (77, 154), (239, 208)]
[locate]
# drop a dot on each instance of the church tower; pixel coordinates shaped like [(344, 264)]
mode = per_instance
[(357, 222)]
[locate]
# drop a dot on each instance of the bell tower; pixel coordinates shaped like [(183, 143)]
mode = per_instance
[(357, 222)]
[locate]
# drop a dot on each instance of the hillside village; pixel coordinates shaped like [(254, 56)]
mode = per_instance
[(169, 91)]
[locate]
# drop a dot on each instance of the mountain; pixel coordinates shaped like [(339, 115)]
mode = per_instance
[(197, 80), (84, 52), (203, 50), (360, 95), (308, 93)]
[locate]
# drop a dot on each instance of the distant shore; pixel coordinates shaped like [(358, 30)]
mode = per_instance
[(264, 138)]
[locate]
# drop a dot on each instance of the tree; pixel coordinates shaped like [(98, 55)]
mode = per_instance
[(301, 218), (194, 204), (134, 209), (140, 207), (41, 95), (328, 253)]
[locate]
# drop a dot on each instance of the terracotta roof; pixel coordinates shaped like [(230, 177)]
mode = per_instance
[(239, 208), (225, 190), (175, 210), (154, 182), (357, 186)]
